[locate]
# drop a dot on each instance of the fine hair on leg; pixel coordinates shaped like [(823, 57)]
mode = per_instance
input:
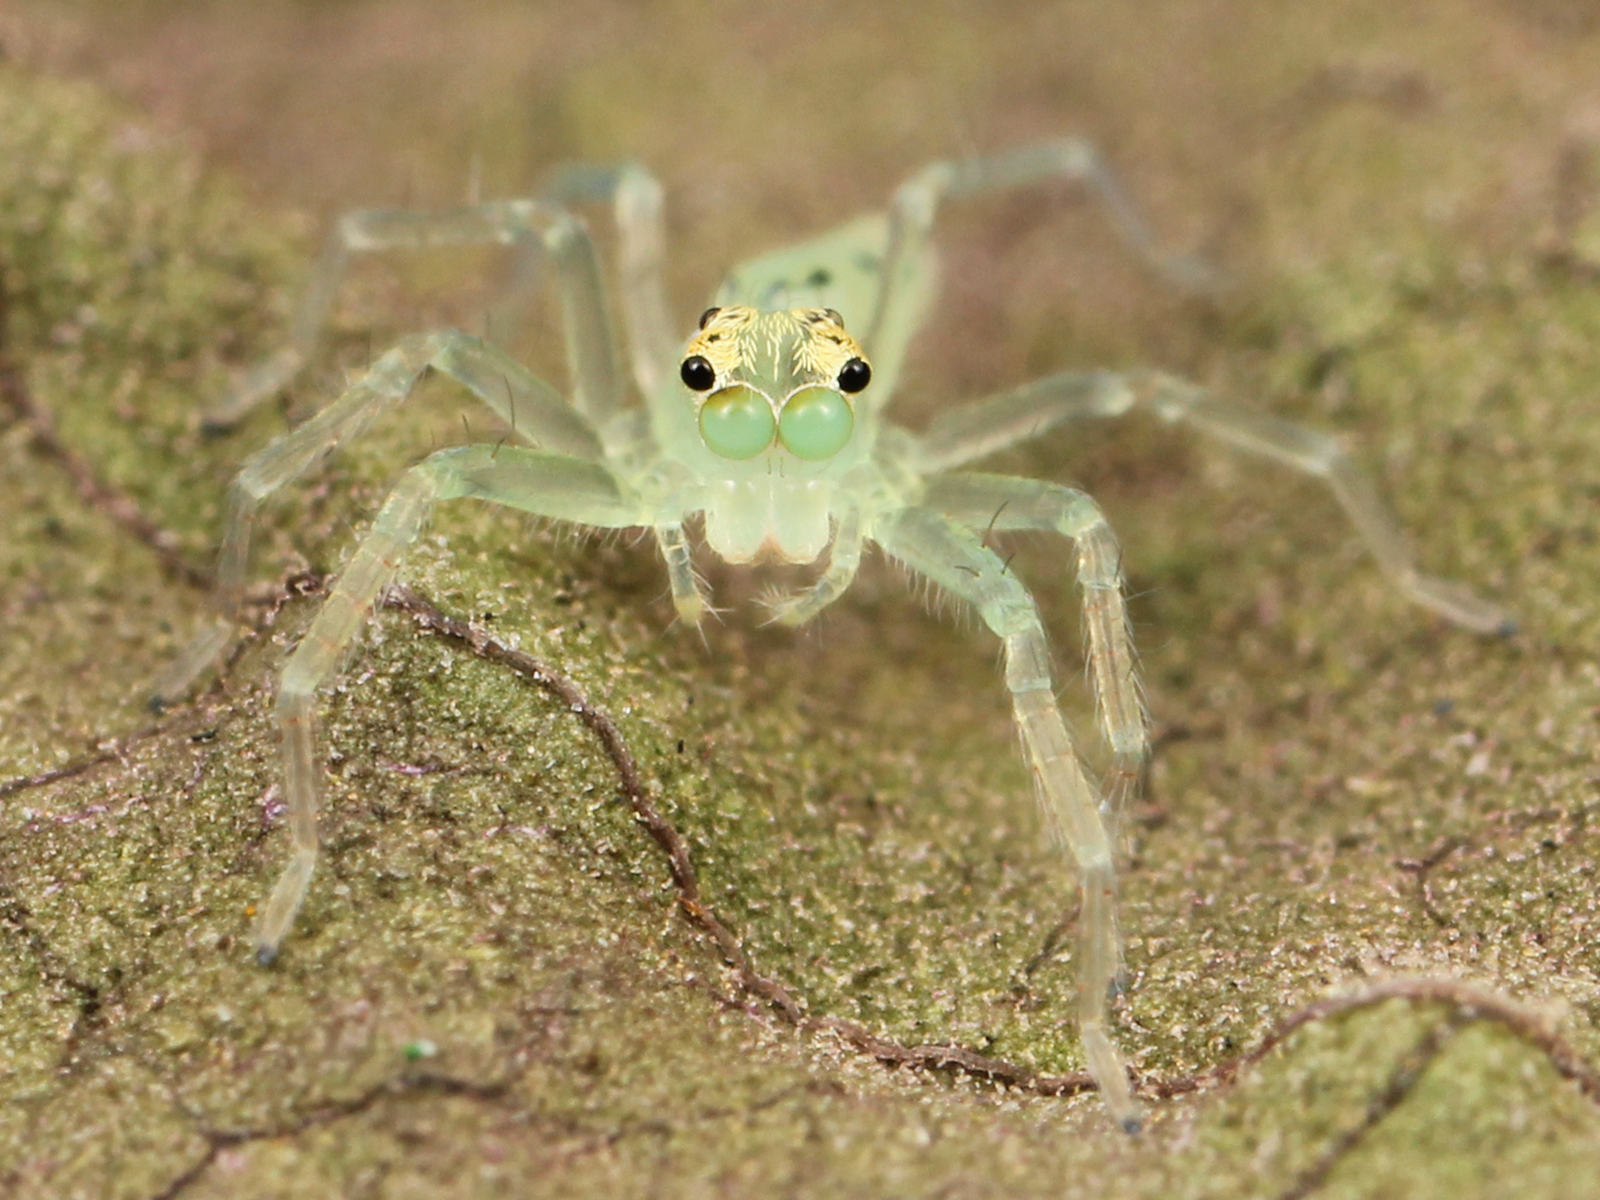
[(955, 559)]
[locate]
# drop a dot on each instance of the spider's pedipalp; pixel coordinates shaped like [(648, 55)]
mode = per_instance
[(688, 591), (844, 560)]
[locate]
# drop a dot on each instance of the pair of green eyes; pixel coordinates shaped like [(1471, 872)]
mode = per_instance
[(815, 423)]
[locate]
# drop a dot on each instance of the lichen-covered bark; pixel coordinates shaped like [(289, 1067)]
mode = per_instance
[(493, 989)]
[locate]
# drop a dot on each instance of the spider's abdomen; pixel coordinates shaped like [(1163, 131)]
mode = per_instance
[(768, 518)]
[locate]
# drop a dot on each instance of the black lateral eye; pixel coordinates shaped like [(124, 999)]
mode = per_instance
[(705, 317), (854, 375), (833, 315), (698, 373)]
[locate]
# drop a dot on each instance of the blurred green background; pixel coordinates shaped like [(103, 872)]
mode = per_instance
[(1343, 788)]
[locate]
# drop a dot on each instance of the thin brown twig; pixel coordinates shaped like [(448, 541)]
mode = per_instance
[(102, 497), (1469, 1000), (1466, 1000), (1403, 1079), (685, 880), (664, 833), (109, 752)]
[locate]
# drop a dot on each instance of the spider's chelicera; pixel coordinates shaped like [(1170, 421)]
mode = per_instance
[(767, 428)]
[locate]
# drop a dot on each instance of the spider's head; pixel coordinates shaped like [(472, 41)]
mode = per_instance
[(767, 380)]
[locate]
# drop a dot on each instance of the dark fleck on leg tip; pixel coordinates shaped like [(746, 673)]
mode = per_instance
[(266, 955), (1507, 628), (1132, 1125)]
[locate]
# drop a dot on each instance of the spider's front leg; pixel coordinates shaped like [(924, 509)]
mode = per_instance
[(997, 503), (548, 485), (954, 558)]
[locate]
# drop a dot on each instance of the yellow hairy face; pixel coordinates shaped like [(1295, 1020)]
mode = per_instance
[(798, 346), (765, 379)]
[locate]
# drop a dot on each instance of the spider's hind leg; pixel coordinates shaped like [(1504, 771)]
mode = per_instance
[(915, 208), (1020, 414), (535, 229), (1320, 455)]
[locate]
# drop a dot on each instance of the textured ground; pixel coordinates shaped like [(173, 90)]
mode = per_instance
[(493, 989)]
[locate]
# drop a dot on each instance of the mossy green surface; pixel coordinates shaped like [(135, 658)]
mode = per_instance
[(491, 992)]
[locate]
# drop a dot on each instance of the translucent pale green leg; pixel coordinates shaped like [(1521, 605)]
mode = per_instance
[(985, 503), (531, 225), (1015, 416), (1320, 455), (844, 560), (636, 203), (916, 203), (977, 430), (688, 594), (956, 560), (550, 485), (524, 402)]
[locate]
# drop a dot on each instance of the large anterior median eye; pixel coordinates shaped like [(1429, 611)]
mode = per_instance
[(816, 423), (737, 422)]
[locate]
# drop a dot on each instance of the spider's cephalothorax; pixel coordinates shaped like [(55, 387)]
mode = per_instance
[(767, 425), (774, 397)]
